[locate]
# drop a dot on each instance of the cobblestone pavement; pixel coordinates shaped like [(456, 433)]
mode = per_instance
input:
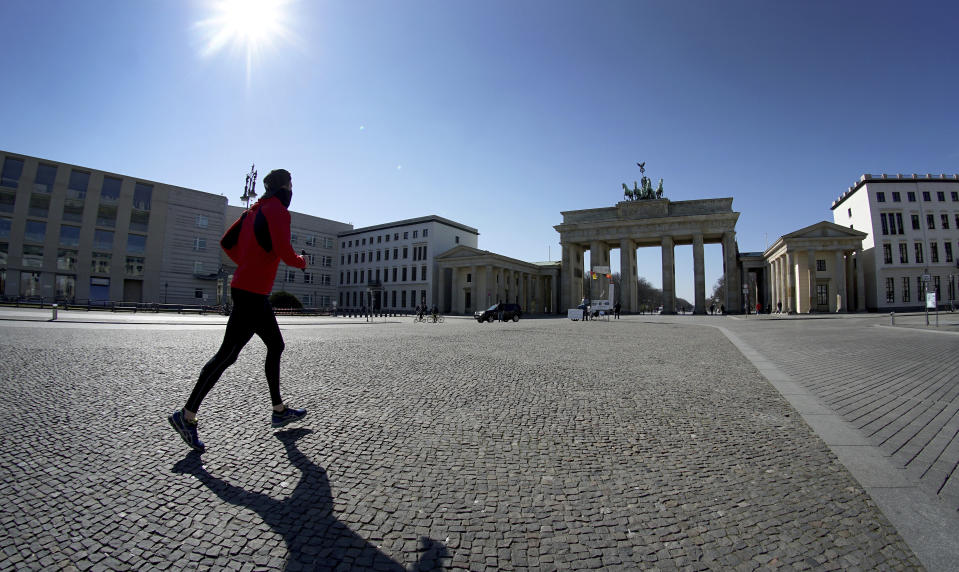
[(898, 386), (544, 444)]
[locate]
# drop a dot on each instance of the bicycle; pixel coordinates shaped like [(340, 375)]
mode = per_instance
[(436, 318), (418, 318)]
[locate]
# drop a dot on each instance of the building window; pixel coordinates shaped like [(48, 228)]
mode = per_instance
[(100, 263), (936, 282), (139, 221), (948, 248), (198, 267), (327, 242), (880, 197), (896, 197), (46, 175), (12, 169), (413, 274), (406, 235), (134, 266), (395, 253), (849, 212), (926, 197), (941, 196), (885, 226), (326, 280), (30, 284), (426, 232), (911, 196), (198, 293), (39, 205), (905, 289), (69, 235), (32, 256), (931, 221), (199, 244), (957, 221), (469, 277), (326, 261), (822, 294), (944, 219), (886, 255), (202, 221), (416, 234), (423, 273), (386, 254), (915, 222), (404, 274), (918, 249), (903, 253), (290, 276), (7, 201), (902, 229), (293, 238), (307, 277), (142, 196), (310, 240), (66, 287), (67, 259), (934, 252), (405, 252), (136, 244), (35, 231), (457, 241), (394, 275), (110, 190), (103, 239), (107, 215), (890, 290)]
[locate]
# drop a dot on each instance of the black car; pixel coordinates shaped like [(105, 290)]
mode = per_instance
[(491, 314)]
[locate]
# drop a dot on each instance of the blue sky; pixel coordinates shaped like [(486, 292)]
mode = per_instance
[(497, 114)]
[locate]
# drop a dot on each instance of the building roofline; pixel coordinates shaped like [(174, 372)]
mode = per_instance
[(898, 178), (409, 222)]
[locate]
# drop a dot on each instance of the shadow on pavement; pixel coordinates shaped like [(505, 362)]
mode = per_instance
[(315, 539)]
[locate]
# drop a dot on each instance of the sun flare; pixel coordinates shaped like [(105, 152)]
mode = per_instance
[(249, 27)]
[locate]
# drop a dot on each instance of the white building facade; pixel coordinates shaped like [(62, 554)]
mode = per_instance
[(912, 245), (392, 267)]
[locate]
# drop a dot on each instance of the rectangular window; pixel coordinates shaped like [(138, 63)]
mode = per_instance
[(32, 256), (416, 234), (293, 238), (379, 239), (202, 221), (310, 240), (955, 195), (957, 221), (386, 254), (918, 249), (198, 267), (199, 243), (136, 244), (944, 219), (107, 215), (39, 205), (4, 249), (903, 253), (66, 287), (404, 274), (890, 290), (103, 239), (896, 197), (77, 187), (931, 221), (934, 252), (142, 196), (110, 191), (134, 265), (822, 294), (426, 232), (457, 241), (100, 263), (902, 229), (915, 222), (940, 196), (67, 259), (926, 197), (326, 262), (387, 237), (405, 253), (422, 273), (290, 276), (948, 248), (36, 231), (7, 201), (905, 289), (880, 197), (308, 278), (394, 275), (403, 296), (30, 284), (327, 242), (198, 293), (5, 224), (413, 273), (406, 235), (12, 169), (911, 196), (69, 235), (326, 280), (886, 254), (139, 221), (73, 210)]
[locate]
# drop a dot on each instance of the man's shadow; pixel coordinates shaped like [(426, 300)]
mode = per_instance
[(315, 539)]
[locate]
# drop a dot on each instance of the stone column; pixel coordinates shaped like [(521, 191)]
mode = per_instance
[(860, 282), (669, 277), (441, 286), (811, 272), (733, 296), (699, 273), (572, 284), (840, 278), (627, 275), (473, 291), (790, 304), (456, 292)]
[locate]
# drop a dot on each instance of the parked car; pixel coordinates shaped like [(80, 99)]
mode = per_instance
[(491, 314)]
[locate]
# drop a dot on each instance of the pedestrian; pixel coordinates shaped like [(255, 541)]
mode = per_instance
[(779, 307), (722, 309), (616, 309), (712, 309), (256, 242)]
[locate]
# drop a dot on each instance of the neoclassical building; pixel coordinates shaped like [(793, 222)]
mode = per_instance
[(659, 223), (471, 279)]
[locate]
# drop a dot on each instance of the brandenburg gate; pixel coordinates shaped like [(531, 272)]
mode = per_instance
[(654, 222)]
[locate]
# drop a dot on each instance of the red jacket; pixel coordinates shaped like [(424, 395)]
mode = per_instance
[(256, 242)]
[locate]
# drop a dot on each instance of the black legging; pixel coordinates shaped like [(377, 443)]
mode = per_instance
[(252, 314)]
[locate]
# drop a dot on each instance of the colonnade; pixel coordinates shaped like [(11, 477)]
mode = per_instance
[(795, 276), (573, 256), (478, 286)]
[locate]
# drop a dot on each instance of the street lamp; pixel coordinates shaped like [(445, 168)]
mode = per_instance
[(249, 190)]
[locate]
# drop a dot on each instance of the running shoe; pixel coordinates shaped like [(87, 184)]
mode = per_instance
[(287, 416), (186, 430)]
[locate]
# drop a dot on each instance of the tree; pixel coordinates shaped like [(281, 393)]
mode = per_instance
[(283, 299), (719, 291)]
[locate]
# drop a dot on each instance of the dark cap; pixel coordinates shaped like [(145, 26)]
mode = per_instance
[(275, 180)]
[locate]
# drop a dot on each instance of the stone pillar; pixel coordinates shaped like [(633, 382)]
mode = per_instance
[(840, 279), (441, 294), (733, 296), (860, 282), (669, 277), (627, 273), (790, 304), (456, 292), (473, 290), (811, 273), (572, 284), (699, 273)]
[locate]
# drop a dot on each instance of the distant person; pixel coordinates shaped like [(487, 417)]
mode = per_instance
[(712, 309), (256, 242), (616, 309)]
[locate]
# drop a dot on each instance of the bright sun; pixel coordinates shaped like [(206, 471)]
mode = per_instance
[(246, 26)]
